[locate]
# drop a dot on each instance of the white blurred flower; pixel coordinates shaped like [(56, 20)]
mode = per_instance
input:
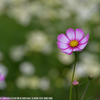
[(89, 65), (27, 68), (21, 14), (18, 52), (88, 58), (3, 70), (33, 82), (3, 85), (65, 59), (38, 41), (2, 6), (47, 49), (22, 82), (44, 83), (24, 10)]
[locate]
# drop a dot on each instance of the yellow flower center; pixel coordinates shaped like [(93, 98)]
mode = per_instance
[(73, 43)]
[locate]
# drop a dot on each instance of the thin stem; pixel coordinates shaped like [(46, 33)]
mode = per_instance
[(76, 94), (73, 76), (85, 89)]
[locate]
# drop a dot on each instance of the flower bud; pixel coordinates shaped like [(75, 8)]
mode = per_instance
[(75, 83), (90, 77)]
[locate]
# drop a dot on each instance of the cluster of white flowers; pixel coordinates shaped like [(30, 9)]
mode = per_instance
[(33, 83), (38, 41), (27, 68), (89, 65), (18, 52), (24, 10), (65, 59)]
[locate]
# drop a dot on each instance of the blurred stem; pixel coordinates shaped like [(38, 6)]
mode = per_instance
[(73, 76), (76, 94), (85, 89)]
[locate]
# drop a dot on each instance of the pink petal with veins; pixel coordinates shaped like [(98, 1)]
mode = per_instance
[(84, 40), (82, 46), (68, 51), (62, 46), (63, 38), (70, 34), (79, 34)]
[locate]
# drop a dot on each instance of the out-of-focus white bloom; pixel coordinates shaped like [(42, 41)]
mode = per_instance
[(89, 65), (53, 73), (52, 2), (24, 10), (65, 59), (18, 52), (22, 82), (3, 70), (16, 2), (2, 85), (47, 49), (2, 6), (21, 14), (84, 13), (44, 83), (94, 69), (69, 76), (33, 82), (1, 55), (27, 68), (89, 58), (38, 41)]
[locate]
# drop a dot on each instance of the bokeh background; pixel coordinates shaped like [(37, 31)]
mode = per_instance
[(29, 56)]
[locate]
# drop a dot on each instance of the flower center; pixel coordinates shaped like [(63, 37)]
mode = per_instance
[(73, 43)]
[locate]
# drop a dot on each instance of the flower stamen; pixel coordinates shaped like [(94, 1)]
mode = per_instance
[(73, 43)]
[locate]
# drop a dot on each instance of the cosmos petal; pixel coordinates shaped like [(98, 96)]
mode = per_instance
[(76, 49), (68, 51), (70, 34), (79, 34), (84, 40), (63, 38), (62, 46), (82, 46)]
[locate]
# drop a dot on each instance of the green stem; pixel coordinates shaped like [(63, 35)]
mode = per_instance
[(85, 89), (76, 94), (73, 76)]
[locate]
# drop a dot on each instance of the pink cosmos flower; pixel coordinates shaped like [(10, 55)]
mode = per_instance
[(75, 83), (2, 77), (72, 41)]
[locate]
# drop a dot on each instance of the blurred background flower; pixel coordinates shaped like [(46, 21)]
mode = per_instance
[(29, 56)]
